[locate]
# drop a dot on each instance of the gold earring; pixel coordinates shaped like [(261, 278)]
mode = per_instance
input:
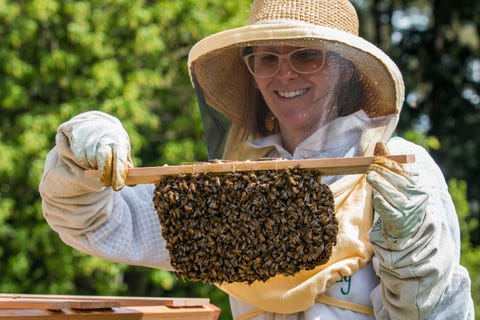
[(270, 122)]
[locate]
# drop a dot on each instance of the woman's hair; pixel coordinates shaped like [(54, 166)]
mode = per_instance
[(350, 94), (349, 99)]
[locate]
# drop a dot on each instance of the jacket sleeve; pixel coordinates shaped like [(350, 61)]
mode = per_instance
[(118, 226), (420, 275)]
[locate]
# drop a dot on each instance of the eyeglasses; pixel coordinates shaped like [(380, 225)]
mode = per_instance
[(267, 64)]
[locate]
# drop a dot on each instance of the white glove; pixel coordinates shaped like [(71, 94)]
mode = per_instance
[(398, 199), (97, 141)]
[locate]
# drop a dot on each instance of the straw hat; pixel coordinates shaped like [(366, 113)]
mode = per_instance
[(218, 71)]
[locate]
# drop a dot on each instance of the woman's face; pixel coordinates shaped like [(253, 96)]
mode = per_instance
[(301, 102)]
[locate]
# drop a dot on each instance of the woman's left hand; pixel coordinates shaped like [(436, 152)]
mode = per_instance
[(398, 198)]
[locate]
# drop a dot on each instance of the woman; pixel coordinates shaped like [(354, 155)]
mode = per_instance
[(296, 82)]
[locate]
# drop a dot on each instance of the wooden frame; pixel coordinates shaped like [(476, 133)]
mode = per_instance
[(60, 307), (326, 166)]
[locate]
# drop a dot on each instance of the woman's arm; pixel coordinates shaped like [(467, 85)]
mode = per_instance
[(419, 270), (120, 226)]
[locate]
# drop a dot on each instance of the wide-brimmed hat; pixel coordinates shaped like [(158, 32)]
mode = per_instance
[(219, 72)]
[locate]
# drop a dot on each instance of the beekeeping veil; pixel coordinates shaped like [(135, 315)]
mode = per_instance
[(228, 97)]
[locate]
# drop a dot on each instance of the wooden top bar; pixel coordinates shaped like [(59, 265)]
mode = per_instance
[(326, 166)]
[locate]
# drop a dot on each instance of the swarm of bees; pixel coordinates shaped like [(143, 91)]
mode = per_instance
[(246, 226)]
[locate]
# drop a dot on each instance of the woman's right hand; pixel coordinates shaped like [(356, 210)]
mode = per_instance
[(96, 140)]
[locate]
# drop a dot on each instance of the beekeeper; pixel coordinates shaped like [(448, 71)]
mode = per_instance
[(296, 82)]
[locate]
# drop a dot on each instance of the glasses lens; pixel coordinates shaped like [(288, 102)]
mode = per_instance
[(267, 64), (306, 60), (262, 64)]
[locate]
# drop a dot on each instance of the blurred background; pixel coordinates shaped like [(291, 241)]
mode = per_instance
[(129, 58)]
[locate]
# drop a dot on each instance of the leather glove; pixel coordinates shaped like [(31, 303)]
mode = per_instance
[(398, 198), (97, 140)]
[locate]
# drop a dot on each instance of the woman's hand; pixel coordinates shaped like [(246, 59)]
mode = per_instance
[(96, 140), (398, 198)]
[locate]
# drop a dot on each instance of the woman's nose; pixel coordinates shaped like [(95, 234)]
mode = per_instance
[(285, 71)]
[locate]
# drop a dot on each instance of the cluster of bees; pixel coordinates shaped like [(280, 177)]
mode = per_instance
[(246, 226)]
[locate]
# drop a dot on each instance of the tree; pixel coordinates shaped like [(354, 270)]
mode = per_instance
[(437, 46)]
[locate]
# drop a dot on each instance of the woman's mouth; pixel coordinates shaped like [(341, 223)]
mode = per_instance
[(291, 94)]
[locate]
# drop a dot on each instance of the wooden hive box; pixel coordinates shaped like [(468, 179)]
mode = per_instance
[(59, 307)]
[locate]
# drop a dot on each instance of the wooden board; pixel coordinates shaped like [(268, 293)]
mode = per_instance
[(60, 307), (53, 304), (327, 166), (32, 301), (207, 312)]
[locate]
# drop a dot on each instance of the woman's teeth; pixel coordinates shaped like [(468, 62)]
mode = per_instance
[(291, 94)]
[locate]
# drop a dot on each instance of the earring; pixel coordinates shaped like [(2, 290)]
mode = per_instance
[(270, 122)]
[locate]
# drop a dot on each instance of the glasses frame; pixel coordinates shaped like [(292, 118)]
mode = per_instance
[(280, 57)]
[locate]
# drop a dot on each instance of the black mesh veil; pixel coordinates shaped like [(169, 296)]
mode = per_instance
[(215, 124)]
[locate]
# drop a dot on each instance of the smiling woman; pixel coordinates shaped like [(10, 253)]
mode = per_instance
[(265, 63), (300, 86)]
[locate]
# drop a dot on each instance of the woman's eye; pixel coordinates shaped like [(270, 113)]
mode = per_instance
[(308, 55), (268, 58)]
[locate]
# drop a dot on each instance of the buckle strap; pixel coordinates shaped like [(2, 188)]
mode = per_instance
[(339, 303), (250, 314)]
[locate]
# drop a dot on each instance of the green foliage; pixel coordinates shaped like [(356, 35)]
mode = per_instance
[(420, 138)]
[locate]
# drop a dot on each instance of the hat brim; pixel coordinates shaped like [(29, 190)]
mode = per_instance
[(216, 64)]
